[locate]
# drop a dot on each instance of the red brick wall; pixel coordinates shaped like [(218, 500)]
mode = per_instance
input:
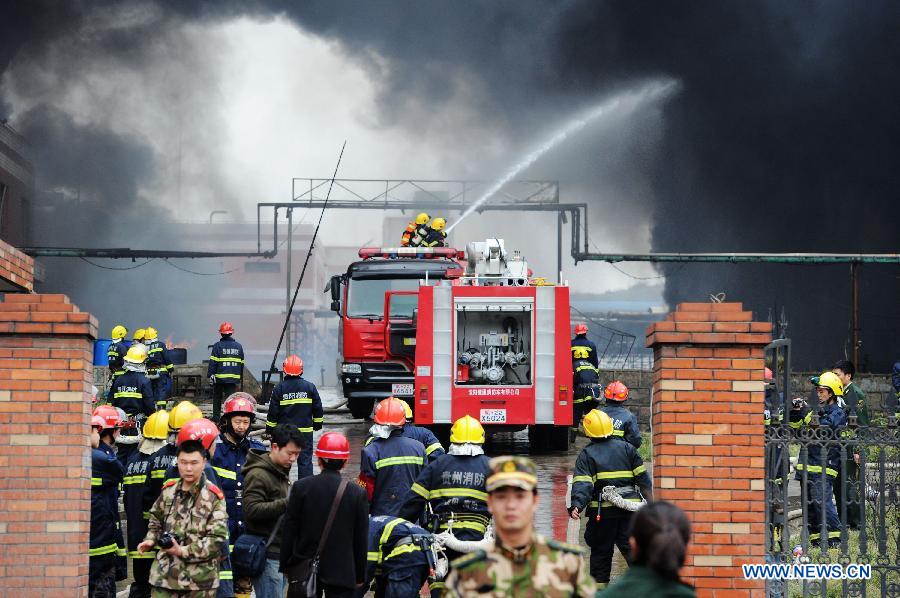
[(708, 438), (16, 267), (46, 349)]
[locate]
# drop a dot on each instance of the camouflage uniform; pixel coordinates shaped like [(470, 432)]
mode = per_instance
[(199, 519), (545, 568)]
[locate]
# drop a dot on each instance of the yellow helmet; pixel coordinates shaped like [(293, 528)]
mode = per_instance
[(467, 429), (136, 354), (597, 424), (407, 409), (150, 332), (580, 353), (157, 425), (182, 413), (138, 335), (830, 380), (438, 224), (118, 332), (422, 218)]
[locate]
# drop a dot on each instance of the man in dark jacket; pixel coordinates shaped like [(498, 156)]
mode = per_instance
[(159, 367), (296, 401), (581, 340), (848, 501), (342, 566), (266, 485), (625, 425), (115, 354), (226, 367)]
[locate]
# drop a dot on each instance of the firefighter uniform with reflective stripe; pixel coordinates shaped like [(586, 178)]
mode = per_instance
[(226, 575), (434, 238), (819, 487), (228, 462), (625, 425), (107, 547), (585, 381), (160, 461), (433, 448), (226, 370), (396, 559), (296, 401), (115, 357), (159, 371), (581, 340), (388, 468), (607, 462), (137, 472)]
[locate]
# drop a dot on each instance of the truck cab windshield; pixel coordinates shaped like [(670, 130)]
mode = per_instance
[(365, 298)]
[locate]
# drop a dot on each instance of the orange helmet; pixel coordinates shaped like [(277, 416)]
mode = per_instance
[(581, 329), (292, 366), (240, 403), (98, 422), (333, 445), (769, 374), (226, 328), (616, 391), (390, 412), (201, 430), (110, 416)]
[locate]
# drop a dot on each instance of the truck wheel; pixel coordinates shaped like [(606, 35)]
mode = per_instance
[(537, 438), (560, 438), (360, 408)]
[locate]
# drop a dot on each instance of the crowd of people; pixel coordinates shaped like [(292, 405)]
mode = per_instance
[(211, 511)]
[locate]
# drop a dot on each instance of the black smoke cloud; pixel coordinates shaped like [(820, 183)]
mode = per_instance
[(783, 138)]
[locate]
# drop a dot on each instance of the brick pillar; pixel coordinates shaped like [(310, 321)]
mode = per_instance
[(708, 437), (46, 350)]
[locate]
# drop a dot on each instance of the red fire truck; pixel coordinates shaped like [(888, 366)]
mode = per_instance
[(454, 337)]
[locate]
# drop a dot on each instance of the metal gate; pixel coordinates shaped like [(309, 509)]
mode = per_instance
[(859, 480)]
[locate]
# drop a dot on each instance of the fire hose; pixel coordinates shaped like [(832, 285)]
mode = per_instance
[(613, 495), (446, 540)]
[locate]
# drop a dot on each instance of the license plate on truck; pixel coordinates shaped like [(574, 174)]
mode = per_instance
[(493, 416), (402, 390)]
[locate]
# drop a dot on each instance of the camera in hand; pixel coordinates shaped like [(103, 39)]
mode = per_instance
[(167, 540)]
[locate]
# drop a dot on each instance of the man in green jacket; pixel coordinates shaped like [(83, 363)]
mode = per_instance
[(265, 497), (855, 398)]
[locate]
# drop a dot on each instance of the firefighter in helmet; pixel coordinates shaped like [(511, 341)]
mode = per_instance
[(608, 475), (586, 382), (131, 391), (296, 401), (433, 448), (159, 367), (226, 367), (820, 474), (107, 563), (137, 471), (453, 488), (115, 354), (581, 340), (415, 231), (625, 425), (391, 463), (228, 461), (436, 235)]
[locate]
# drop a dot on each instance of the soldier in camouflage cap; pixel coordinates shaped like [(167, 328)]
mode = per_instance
[(522, 563), (192, 510)]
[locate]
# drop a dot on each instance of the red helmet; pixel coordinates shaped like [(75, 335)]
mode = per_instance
[(98, 422), (581, 329), (226, 328), (616, 391), (292, 366), (201, 430), (110, 415), (240, 403), (769, 374), (390, 412), (333, 445)]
